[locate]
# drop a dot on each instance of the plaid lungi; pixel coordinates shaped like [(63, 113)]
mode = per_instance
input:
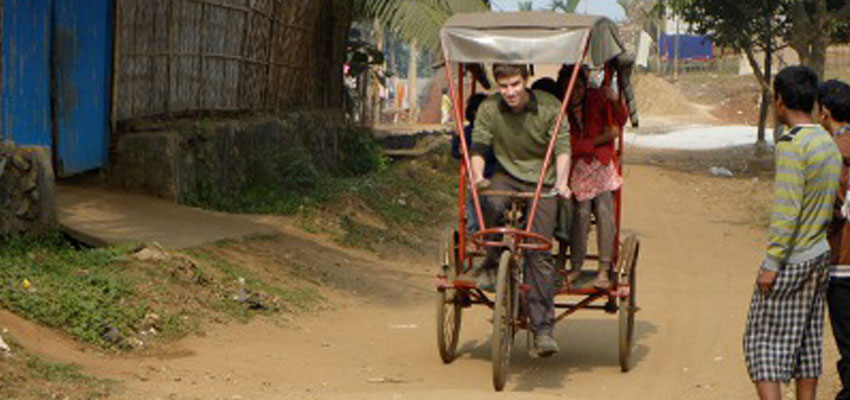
[(784, 334)]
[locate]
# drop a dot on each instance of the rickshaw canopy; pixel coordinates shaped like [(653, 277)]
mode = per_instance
[(528, 37)]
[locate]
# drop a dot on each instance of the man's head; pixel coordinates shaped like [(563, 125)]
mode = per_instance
[(834, 104), (511, 81), (796, 89), (564, 75)]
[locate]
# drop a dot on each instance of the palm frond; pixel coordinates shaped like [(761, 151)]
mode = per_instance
[(417, 19)]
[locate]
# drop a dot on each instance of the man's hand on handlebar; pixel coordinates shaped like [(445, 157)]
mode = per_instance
[(482, 184)]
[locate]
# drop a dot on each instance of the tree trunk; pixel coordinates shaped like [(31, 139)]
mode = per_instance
[(376, 100), (765, 89), (809, 39), (412, 94)]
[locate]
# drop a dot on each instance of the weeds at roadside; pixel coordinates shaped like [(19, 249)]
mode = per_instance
[(108, 298), (24, 375)]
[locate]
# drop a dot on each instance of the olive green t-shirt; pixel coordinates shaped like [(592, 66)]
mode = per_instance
[(520, 139)]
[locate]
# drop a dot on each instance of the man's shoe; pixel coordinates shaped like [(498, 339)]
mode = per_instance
[(545, 345)]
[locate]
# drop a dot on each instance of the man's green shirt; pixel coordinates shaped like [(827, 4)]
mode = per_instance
[(520, 139)]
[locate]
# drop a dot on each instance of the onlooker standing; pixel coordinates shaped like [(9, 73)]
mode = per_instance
[(784, 332), (834, 110), (445, 108)]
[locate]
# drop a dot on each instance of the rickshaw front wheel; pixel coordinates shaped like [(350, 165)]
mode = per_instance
[(449, 304), (504, 318)]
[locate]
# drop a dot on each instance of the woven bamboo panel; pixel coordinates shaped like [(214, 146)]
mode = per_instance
[(181, 56)]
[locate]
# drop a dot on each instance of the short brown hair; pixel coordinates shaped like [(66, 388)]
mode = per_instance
[(504, 70)]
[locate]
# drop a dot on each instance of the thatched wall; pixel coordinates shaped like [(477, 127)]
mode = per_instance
[(182, 56)]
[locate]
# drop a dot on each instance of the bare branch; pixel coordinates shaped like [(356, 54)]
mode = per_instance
[(756, 68)]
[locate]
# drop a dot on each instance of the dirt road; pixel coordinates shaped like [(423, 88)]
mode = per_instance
[(698, 260)]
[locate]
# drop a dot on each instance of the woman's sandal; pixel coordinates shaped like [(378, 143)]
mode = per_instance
[(602, 281)]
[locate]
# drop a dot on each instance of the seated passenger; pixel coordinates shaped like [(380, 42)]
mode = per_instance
[(471, 111), (596, 117)]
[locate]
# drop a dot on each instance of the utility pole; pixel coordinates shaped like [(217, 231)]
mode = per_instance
[(676, 51)]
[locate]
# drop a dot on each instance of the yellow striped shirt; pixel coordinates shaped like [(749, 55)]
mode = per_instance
[(808, 167)]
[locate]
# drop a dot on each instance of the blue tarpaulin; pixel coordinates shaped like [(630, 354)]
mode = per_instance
[(690, 46)]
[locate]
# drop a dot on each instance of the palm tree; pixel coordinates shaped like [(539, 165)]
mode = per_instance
[(525, 5), (417, 19)]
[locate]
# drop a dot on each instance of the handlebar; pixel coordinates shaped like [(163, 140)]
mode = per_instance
[(518, 195), (535, 242)]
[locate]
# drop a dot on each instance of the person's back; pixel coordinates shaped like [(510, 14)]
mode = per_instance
[(810, 150), (784, 331), (834, 113)]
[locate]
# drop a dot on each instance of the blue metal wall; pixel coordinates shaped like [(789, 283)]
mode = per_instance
[(82, 65), (26, 72), (69, 41)]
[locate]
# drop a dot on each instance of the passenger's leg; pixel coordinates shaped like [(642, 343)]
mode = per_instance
[(578, 237), (603, 208), (838, 297)]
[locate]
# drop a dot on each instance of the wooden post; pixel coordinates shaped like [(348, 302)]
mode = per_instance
[(240, 91), (169, 60), (412, 94), (275, 13), (116, 65), (201, 56)]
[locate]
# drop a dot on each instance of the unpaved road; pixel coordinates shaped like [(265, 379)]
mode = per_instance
[(698, 261)]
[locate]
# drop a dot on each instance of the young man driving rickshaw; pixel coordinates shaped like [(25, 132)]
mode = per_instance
[(517, 124)]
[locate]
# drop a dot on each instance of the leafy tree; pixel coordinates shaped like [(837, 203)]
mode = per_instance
[(814, 25), (567, 6), (525, 5), (749, 26)]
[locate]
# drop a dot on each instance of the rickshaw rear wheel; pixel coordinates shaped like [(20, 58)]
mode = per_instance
[(628, 305), (449, 304), (504, 318)]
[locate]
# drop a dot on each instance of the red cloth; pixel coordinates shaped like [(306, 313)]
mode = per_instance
[(598, 112)]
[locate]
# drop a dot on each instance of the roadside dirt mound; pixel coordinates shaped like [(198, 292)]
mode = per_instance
[(657, 97), (741, 108)]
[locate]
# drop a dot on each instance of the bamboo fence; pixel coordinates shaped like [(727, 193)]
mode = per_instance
[(175, 57)]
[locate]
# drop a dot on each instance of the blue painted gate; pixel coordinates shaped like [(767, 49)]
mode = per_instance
[(82, 67), (25, 100), (70, 42)]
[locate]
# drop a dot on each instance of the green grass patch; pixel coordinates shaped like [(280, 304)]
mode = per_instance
[(25, 375), (77, 291), (110, 299)]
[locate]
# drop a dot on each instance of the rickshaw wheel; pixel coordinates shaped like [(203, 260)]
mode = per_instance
[(449, 305), (504, 317), (628, 305)]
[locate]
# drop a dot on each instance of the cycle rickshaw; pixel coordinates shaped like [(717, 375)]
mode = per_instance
[(474, 39)]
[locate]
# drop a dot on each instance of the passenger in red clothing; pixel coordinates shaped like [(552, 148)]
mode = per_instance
[(596, 117)]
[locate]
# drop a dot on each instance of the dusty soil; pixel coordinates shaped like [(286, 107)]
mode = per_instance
[(700, 248)]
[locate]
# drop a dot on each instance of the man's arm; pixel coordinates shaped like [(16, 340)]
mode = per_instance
[(787, 203), (478, 165), (562, 175), (482, 139), (563, 154)]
